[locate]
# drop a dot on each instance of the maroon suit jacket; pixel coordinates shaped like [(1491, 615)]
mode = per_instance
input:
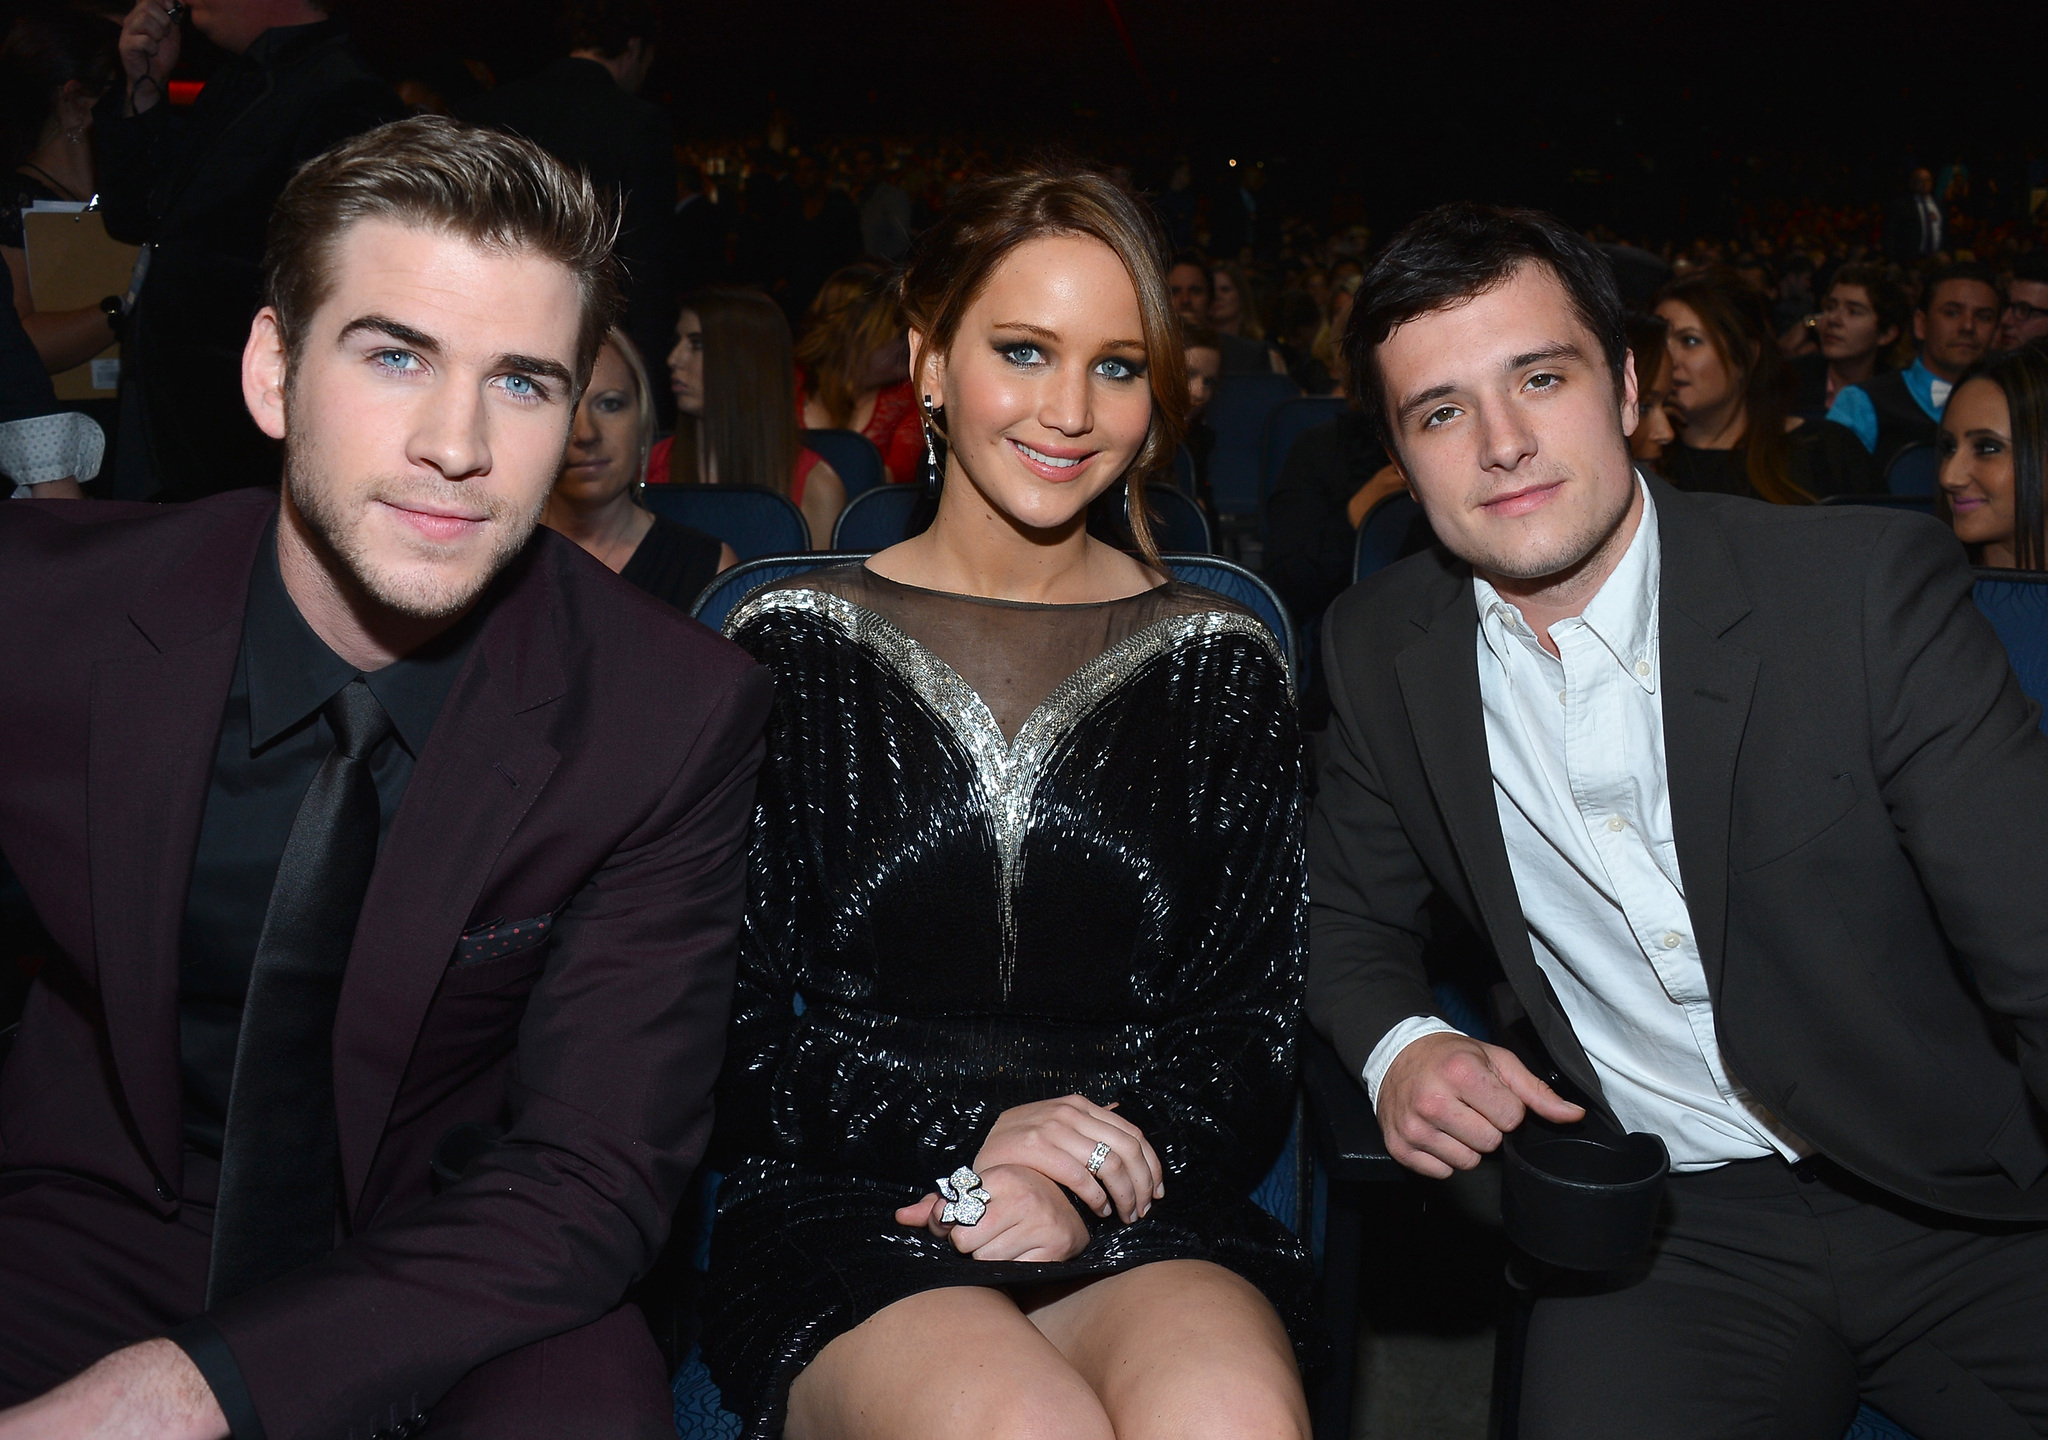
[(594, 763)]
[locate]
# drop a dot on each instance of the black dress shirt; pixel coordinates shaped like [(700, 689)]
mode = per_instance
[(273, 740)]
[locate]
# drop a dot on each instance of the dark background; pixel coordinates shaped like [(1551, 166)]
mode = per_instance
[(1662, 121)]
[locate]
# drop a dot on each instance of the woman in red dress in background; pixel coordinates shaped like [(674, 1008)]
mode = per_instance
[(855, 362), (734, 378)]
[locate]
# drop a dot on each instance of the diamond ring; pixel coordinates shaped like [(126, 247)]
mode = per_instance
[(1101, 1154), (966, 1201)]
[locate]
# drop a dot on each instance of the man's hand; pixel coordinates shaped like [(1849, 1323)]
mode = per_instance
[(150, 1391), (150, 40), (1028, 1218), (1448, 1099)]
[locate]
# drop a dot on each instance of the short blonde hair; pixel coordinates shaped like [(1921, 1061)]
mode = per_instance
[(432, 173), (643, 393)]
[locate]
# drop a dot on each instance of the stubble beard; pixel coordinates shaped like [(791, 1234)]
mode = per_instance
[(1557, 557), (423, 589)]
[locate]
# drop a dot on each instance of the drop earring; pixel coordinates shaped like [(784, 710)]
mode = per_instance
[(931, 449)]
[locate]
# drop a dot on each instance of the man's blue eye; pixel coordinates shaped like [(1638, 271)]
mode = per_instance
[(520, 385), (402, 360)]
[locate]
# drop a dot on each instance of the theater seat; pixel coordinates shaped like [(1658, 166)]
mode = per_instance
[(852, 455), (878, 519), (752, 521)]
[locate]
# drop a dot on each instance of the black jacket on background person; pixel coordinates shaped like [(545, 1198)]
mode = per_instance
[(1859, 797), (575, 111), (25, 387), (198, 186)]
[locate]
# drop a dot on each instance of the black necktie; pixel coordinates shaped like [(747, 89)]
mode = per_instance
[(279, 1167)]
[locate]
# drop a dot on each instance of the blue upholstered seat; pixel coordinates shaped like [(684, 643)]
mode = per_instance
[(1238, 415), (878, 519), (752, 521), (852, 455)]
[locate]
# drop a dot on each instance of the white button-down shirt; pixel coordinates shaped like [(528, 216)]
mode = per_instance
[(1576, 744)]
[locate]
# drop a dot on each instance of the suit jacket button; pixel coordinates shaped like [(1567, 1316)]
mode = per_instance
[(163, 1192)]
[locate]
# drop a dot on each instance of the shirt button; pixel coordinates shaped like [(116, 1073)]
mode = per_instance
[(1616, 823), (1560, 697), (1643, 668), (1672, 940)]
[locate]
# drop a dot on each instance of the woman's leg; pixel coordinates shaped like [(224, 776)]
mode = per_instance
[(960, 1361), (1180, 1348)]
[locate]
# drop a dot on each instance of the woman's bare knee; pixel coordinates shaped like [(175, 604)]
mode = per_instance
[(961, 1361)]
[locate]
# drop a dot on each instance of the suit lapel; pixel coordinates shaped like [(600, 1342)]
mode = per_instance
[(483, 767), (1708, 684), (155, 721)]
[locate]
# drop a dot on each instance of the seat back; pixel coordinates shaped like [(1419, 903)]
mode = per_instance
[(1234, 582), (1289, 420), (2016, 604), (1238, 415), (1383, 533), (1177, 522), (851, 454), (1915, 470), (1184, 472), (1924, 504), (878, 519), (729, 587), (751, 520)]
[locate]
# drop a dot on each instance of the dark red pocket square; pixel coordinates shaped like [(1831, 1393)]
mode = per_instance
[(499, 938)]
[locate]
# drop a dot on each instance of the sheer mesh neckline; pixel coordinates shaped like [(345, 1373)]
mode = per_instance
[(877, 575), (1012, 653)]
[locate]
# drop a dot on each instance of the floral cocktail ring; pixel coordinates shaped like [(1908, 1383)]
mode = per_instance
[(966, 1201), (1101, 1154)]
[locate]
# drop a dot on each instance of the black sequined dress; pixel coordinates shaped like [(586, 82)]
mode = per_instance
[(1002, 853)]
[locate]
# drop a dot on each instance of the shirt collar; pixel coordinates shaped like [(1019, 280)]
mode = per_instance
[(1623, 615), (293, 672)]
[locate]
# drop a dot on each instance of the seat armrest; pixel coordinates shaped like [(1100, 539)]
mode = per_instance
[(1347, 1133)]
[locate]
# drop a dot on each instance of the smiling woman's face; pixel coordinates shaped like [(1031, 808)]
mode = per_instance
[(1044, 385), (1976, 464)]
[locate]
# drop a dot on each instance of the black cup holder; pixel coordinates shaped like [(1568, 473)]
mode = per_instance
[(1582, 1196)]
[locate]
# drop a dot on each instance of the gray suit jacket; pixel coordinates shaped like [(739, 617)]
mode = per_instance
[(1860, 795)]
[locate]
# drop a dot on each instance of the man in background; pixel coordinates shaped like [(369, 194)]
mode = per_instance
[(1914, 226), (196, 186), (1954, 323), (2026, 302), (585, 109)]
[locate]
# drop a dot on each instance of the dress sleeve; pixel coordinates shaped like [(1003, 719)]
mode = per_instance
[(1215, 1095), (796, 1086)]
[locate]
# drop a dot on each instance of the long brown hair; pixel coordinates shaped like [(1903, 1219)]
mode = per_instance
[(855, 315), (2023, 375), (749, 424), (1737, 320), (952, 262)]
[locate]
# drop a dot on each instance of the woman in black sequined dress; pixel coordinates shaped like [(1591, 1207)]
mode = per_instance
[(1027, 891)]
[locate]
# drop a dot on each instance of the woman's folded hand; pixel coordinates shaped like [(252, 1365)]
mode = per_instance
[(1028, 1218), (1057, 1138)]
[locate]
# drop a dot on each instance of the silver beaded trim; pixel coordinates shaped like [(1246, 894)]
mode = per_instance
[(1005, 772)]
